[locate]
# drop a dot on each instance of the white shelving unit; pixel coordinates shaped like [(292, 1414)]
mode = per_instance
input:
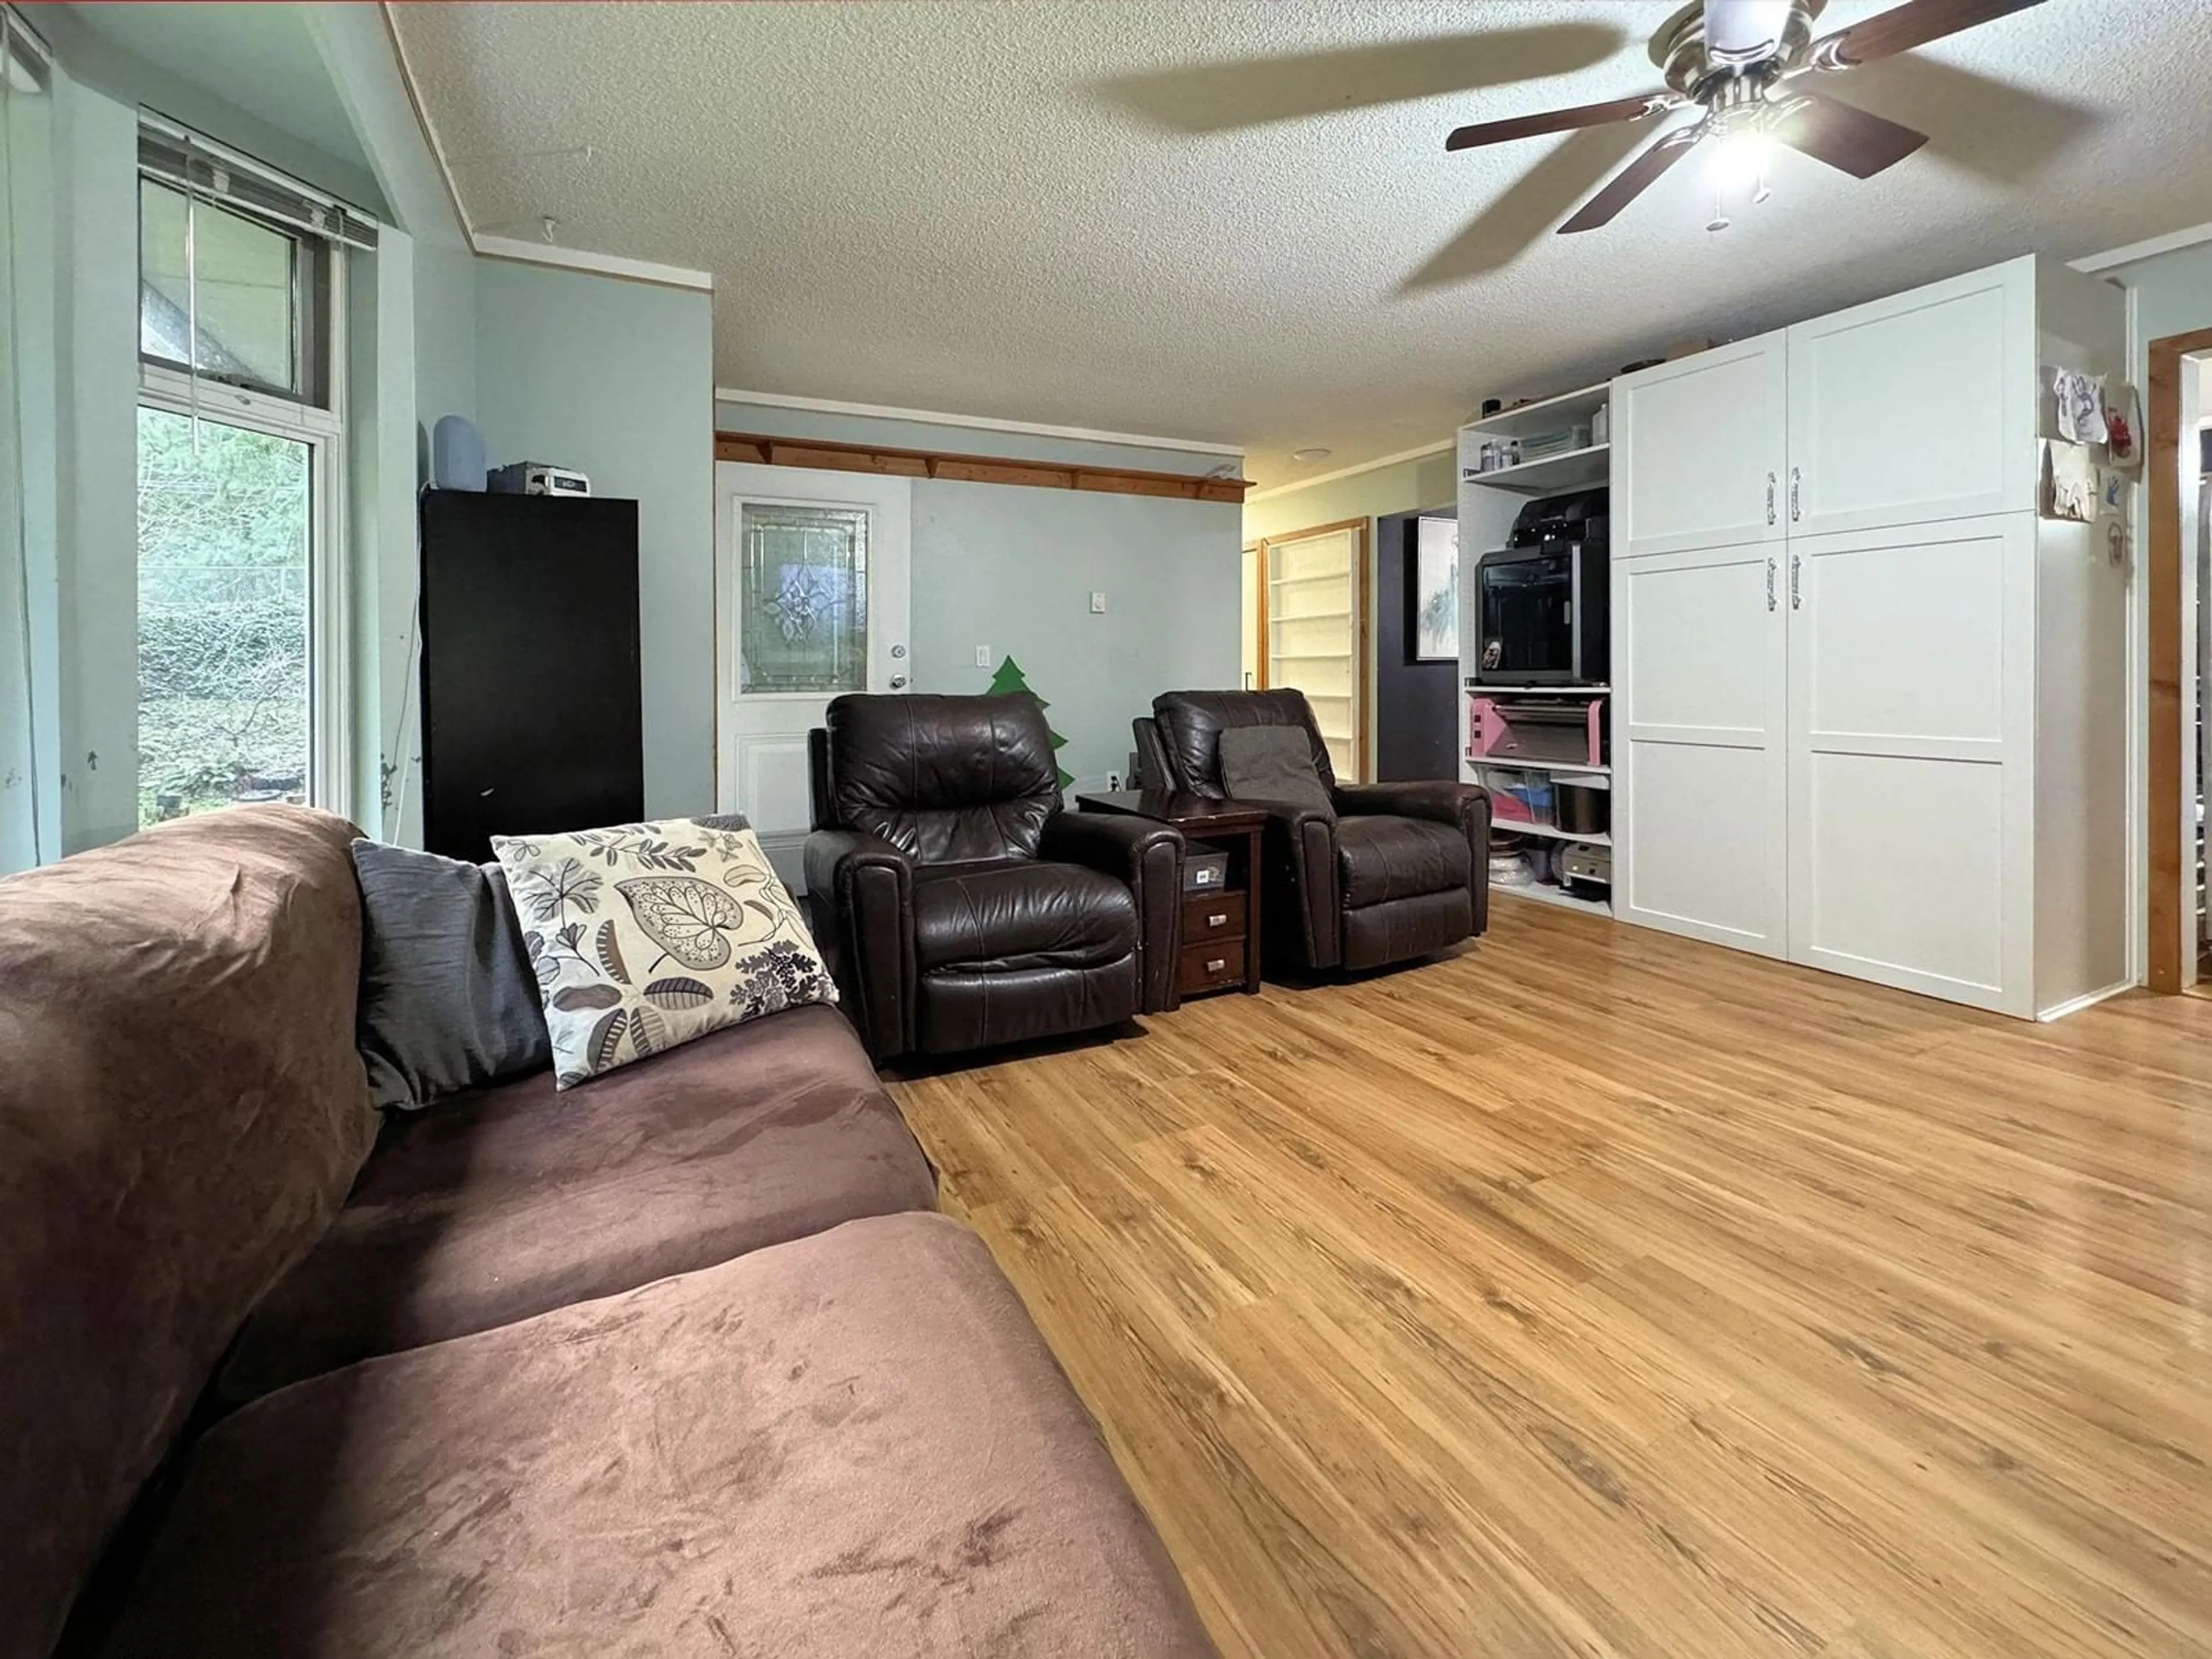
[(1487, 503), (1541, 894)]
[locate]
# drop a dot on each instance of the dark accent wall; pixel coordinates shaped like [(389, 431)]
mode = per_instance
[(1416, 726)]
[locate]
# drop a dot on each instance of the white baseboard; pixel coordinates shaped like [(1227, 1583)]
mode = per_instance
[(2089, 1000)]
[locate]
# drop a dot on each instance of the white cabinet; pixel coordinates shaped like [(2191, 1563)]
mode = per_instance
[(1700, 730), (1911, 768), (1699, 447), (1917, 407), (1911, 707)]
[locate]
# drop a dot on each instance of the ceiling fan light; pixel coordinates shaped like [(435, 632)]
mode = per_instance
[(1740, 161)]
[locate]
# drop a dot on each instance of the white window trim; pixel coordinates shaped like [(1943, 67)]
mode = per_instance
[(329, 618)]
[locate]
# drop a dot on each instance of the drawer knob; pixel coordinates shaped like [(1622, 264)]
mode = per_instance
[(1218, 919), (1217, 965)]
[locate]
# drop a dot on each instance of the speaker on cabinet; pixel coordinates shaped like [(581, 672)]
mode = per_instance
[(456, 455)]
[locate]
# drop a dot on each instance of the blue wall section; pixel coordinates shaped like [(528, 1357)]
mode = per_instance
[(616, 378)]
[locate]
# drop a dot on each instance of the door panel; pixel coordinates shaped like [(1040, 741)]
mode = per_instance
[(1911, 784), (1699, 830), (1699, 448), (810, 602), (1910, 410)]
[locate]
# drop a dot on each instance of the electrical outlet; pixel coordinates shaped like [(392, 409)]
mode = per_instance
[(982, 656), (1097, 603)]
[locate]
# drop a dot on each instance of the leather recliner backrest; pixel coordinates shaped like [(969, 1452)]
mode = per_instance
[(1191, 724), (944, 780)]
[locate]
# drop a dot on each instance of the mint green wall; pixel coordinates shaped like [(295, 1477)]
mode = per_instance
[(618, 379), (1012, 569)]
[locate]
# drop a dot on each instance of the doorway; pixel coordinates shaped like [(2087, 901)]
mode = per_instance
[(1312, 635), (1416, 646), (810, 601), (2179, 650)]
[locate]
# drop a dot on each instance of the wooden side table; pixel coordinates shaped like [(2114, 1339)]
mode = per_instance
[(1220, 937)]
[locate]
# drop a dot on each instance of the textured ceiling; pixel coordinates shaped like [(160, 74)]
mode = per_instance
[(1237, 222)]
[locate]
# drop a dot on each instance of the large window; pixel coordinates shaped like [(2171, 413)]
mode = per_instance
[(241, 622)]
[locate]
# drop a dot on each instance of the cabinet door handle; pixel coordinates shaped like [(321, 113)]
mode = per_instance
[(1769, 498), (1770, 582), (1794, 478), (1796, 592)]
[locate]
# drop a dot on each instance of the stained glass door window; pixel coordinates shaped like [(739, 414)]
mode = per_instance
[(803, 598)]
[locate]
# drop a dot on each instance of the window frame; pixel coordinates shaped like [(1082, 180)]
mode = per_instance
[(330, 724)]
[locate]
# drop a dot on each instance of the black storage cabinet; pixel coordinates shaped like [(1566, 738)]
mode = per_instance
[(532, 722)]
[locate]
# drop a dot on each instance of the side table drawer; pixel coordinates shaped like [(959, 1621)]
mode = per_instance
[(1212, 916), (1212, 967)]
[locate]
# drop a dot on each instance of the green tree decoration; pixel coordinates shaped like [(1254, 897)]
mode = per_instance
[(1008, 682)]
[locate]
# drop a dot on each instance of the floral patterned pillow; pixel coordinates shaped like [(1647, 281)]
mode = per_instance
[(644, 936)]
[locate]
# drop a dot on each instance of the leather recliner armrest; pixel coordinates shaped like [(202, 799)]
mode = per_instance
[(863, 888), (1147, 855), (1465, 806), (1300, 844)]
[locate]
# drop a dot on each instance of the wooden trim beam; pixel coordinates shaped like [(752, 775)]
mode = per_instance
[(763, 449), (2171, 892)]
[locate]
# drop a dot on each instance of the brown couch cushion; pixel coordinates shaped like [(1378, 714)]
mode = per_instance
[(181, 1108), (1021, 913), (504, 1204), (1387, 858), (856, 1445)]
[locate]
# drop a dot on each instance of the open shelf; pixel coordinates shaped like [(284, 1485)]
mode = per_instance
[(1575, 469), (1544, 414), (1525, 764), (1547, 831), (1543, 895)]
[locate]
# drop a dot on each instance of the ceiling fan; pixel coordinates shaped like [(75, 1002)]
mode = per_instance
[(1746, 64)]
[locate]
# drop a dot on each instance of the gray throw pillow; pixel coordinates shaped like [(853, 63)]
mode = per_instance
[(448, 1000), (1273, 762)]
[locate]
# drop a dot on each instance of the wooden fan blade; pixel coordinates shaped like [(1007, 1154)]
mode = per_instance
[(1632, 180), (1561, 121), (1844, 135), (1913, 24)]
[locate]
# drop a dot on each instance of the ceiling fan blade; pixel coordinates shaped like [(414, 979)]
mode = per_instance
[(1844, 135), (1632, 180), (1913, 24), (1561, 121)]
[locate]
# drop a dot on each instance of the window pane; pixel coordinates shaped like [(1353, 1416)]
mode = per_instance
[(803, 598), (245, 290), (223, 616)]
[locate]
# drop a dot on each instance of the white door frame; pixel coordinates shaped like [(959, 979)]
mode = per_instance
[(740, 746)]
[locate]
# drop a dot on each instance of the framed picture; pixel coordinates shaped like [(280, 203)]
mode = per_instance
[(1432, 627)]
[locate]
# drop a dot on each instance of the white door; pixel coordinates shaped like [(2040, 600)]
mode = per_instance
[(1316, 587), (1912, 409), (1912, 699), (810, 594), (1699, 446), (1701, 777)]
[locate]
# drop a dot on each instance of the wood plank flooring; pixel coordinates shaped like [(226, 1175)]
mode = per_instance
[(1594, 1292)]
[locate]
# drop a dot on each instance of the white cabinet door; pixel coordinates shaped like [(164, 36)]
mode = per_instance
[(1911, 701), (1700, 446), (1915, 408), (1700, 830)]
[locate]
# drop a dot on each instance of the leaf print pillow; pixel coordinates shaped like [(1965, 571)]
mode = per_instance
[(644, 936)]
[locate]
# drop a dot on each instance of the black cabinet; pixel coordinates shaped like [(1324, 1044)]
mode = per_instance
[(530, 711)]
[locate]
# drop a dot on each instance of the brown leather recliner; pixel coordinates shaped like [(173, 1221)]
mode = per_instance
[(959, 906), (1401, 869)]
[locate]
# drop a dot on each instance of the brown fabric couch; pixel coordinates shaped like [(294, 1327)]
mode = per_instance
[(674, 1363)]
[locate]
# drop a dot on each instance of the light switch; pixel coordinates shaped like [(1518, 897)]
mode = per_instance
[(982, 656), (1098, 604)]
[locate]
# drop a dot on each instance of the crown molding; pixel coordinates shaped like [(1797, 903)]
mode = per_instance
[(978, 422), (2149, 248), (1377, 465), (514, 248)]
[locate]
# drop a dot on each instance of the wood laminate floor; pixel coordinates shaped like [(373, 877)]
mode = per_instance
[(1601, 1294)]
